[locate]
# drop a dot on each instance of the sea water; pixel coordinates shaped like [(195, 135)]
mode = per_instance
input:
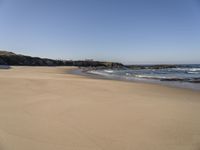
[(185, 76)]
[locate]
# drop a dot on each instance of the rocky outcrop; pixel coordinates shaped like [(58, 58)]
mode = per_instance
[(191, 80), (151, 66)]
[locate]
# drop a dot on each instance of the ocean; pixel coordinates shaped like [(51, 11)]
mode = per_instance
[(184, 76)]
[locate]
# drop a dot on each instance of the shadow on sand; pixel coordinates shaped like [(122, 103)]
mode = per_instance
[(4, 67)]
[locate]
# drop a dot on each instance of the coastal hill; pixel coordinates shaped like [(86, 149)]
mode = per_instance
[(12, 59)]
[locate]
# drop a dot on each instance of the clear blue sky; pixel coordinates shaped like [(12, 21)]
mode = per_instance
[(128, 31)]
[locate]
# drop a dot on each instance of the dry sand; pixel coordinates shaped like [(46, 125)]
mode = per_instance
[(41, 108)]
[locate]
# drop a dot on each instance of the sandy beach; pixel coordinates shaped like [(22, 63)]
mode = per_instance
[(43, 108)]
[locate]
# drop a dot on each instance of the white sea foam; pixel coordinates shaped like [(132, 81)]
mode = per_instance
[(99, 73), (187, 69), (151, 77), (109, 71), (195, 69), (193, 72)]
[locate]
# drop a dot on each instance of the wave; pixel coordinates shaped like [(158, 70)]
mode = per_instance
[(186, 69), (173, 74), (193, 72), (97, 73), (180, 77), (151, 77), (195, 69), (109, 71)]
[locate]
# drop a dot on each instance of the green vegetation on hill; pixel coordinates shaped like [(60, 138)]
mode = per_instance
[(9, 58)]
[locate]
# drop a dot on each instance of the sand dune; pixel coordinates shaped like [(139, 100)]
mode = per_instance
[(42, 108)]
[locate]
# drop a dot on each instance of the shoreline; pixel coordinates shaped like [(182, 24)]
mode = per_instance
[(172, 84)]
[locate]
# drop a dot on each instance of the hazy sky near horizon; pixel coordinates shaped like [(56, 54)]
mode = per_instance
[(128, 31)]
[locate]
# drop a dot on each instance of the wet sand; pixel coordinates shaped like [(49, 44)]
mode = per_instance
[(42, 108)]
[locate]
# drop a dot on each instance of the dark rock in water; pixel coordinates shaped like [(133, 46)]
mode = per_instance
[(191, 80), (151, 66), (195, 80), (172, 79)]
